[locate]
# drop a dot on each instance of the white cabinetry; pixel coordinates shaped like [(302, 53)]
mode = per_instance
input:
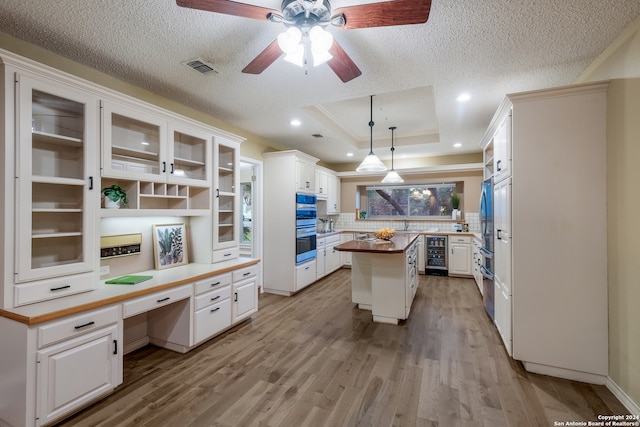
[(333, 260), (502, 260), (502, 150), (226, 202), (305, 174), (459, 255), (54, 368), (322, 182), (476, 262), (321, 257), (558, 246), (161, 161), (395, 283), (281, 275), (77, 371), (344, 255), (305, 274), (245, 293), (56, 184), (212, 307), (333, 196), (328, 259)]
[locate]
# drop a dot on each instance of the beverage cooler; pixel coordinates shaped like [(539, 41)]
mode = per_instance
[(435, 253)]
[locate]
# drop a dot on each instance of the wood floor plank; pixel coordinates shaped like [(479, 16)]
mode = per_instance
[(314, 359)]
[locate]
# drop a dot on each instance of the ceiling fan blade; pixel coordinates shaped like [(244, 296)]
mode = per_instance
[(229, 7), (342, 64), (264, 59), (383, 14)]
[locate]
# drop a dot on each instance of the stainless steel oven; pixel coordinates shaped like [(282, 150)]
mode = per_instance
[(306, 217)]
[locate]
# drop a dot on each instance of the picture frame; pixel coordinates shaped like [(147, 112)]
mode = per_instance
[(169, 245)]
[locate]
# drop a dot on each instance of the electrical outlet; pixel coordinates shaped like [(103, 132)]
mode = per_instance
[(104, 270)]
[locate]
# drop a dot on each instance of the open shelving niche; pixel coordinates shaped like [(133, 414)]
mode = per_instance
[(145, 198)]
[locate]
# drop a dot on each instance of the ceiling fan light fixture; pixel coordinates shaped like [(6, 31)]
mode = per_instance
[(289, 41)]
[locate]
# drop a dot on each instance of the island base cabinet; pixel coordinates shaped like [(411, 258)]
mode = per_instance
[(76, 372), (360, 282), (389, 288)]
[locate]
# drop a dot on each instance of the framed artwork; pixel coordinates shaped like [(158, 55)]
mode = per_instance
[(169, 245)]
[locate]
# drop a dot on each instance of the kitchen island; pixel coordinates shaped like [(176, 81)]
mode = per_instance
[(384, 275)]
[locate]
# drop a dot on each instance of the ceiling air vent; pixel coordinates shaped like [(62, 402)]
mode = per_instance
[(201, 66)]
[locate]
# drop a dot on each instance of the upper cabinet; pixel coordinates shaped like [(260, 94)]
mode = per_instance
[(139, 144), (305, 175), (226, 201), (502, 150), (56, 140)]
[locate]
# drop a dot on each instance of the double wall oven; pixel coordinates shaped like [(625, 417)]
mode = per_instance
[(306, 220)]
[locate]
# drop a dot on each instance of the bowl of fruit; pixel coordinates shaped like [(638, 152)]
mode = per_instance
[(385, 233)]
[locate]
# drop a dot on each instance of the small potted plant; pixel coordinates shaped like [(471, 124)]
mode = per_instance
[(114, 196), (455, 204)]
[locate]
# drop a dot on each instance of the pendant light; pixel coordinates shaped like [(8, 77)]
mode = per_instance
[(371, 163), (392, 176)]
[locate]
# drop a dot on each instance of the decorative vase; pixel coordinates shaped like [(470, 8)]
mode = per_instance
[(454, 213), (110, 204)]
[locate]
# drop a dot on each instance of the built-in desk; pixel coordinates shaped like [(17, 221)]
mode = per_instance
[(384, 275), (60, 355)]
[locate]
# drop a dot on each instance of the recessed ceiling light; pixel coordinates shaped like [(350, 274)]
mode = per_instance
[(463, 97), (457, 144), (295, 122), (349, 154)]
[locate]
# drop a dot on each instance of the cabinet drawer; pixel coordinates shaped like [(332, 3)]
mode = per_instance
[(459, 239), (226, 254), (305, 274), (214, 282), (211, 320), (76, 325), (42, 290), (213, 296), (159, 299), (330, 240), (245, 273)]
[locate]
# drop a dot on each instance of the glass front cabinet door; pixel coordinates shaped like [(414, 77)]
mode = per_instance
[(141, 145), (132, 143), (226, 199), (57, 136)]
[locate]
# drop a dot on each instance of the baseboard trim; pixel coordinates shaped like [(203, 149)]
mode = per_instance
[(134, 345), (623, 397)]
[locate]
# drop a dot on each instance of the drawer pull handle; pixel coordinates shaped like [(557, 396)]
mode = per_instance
[(246, 274), (85, 325), (215, 284), (215, 309), (229, 254), (59, 288), (215, 298), (163, 299)]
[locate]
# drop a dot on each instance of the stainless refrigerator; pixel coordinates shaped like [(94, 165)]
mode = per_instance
[(486, 229)]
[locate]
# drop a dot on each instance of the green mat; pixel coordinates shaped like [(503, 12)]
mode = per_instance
[(128, 280)]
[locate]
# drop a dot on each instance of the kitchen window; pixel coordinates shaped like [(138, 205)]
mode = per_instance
[(422, 201)]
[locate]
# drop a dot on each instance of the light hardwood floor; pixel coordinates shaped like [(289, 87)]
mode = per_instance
[(316, 360)]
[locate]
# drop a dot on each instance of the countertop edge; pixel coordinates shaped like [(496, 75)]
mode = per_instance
[(14, 313)]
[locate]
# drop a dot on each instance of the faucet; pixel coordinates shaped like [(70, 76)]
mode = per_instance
[(406, 224)]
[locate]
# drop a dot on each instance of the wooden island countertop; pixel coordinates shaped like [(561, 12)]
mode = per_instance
[(398, 244)]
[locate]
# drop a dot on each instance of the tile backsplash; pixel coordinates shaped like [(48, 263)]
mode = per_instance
[(347, 221)]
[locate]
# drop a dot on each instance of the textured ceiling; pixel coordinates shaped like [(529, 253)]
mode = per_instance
[(484, 47)]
